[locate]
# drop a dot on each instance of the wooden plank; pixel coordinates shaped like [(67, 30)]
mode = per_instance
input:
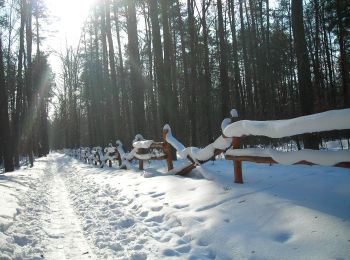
[(163, 157), (257, 159), (343, 164), (186, 170)]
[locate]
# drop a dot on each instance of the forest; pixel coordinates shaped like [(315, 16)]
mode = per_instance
[(141, 64)]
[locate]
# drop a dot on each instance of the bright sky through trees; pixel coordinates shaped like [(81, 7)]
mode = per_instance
[(70, 17)]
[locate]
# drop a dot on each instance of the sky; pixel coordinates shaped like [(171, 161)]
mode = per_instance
[(70, 16)]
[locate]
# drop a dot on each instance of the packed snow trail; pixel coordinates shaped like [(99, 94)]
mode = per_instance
[(65, 235), (47, 227)]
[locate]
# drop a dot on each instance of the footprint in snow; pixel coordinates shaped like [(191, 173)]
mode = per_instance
[(202, 242), (144, 214), (183, 249), (170, 252), (158, 219), (157, 208), (180, 206), (282, 237), (157, 194)]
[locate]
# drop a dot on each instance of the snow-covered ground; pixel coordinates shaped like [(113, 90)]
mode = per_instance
[(65, 209)]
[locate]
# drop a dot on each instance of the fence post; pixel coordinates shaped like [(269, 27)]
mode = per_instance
[(237, 165), (166, 148), (140, 164), (119, 158)]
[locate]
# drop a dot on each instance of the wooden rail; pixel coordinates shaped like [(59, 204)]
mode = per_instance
[(237, 161)]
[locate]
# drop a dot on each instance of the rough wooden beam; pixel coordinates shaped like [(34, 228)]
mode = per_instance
[(166, 148), (237, 165), (186, 170)]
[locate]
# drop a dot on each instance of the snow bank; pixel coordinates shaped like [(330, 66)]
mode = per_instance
[(65, 209), (326, 121), (320, 157), (282, 213)]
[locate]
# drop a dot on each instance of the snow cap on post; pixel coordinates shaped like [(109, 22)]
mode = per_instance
[(167, 128), (234, 113), (118, 143), (139, 137), (225, 123)]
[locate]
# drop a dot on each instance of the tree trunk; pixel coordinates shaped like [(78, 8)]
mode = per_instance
[(194, 75), (225, 95), (207, 102), (238, 89), (30, 117), (343, 56), (303, 65), (115, 90), (137, 91), (247, 71), (158, 63), (170, 99), (303, 68), (19, 95), (6, 144)]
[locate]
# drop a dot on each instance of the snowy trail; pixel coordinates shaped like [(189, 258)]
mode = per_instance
[(65, 209), (45, 225), (65, 235)]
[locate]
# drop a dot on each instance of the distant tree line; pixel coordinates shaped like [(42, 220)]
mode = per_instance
[(143, 63), (25, 83)]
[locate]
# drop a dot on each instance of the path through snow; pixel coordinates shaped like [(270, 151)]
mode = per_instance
[(65, 209), (46, 225), (65, 237)]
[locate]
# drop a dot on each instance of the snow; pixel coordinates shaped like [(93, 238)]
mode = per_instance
[(322, 157), (143, 144), (65, 209), (326, 121), (234, 113), (197, 154)]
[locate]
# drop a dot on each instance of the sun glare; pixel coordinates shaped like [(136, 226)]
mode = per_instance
[(71, 15)]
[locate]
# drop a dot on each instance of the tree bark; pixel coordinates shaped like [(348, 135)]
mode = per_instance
[(5, 133), (303, 65), (137, 91), (225, 95), (115, 89)]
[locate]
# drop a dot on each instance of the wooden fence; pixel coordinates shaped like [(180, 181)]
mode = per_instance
[(228, 144)]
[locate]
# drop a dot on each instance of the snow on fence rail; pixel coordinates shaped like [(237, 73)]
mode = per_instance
[(149, 150), (229, 144), (196, 155), (143, 150)]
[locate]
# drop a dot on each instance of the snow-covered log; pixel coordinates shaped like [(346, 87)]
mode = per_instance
[(326, 121), (199, 155)]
